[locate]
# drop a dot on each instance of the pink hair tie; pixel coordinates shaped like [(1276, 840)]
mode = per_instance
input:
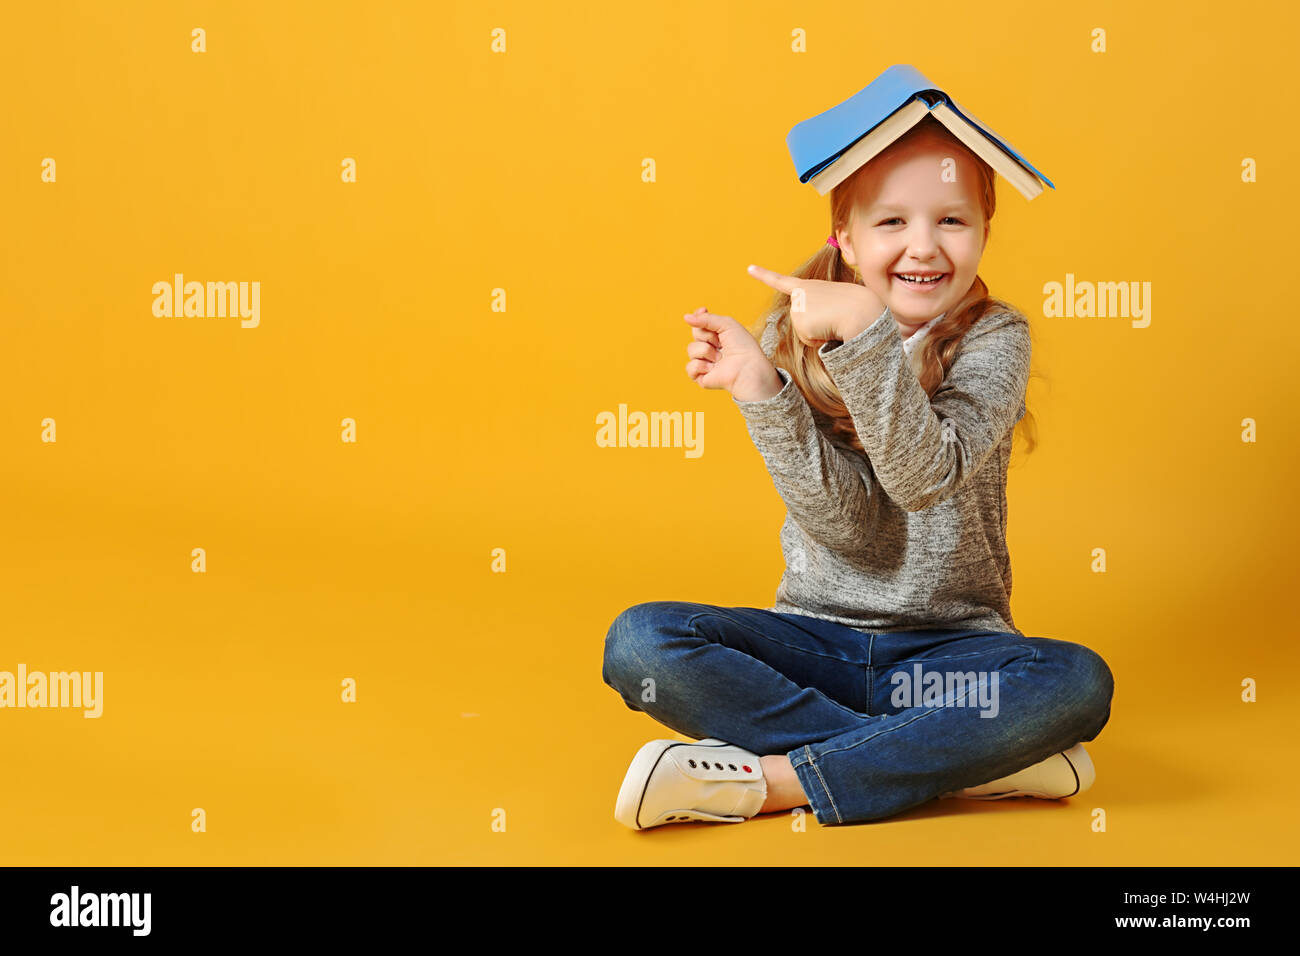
[(832, 241)]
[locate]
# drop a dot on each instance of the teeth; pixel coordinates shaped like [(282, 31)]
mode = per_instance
[(912, 278)]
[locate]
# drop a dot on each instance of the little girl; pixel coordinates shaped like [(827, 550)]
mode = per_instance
[(889, 672)]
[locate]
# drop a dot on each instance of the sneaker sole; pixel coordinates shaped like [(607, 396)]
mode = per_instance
[(627, 809), (1080, 764)]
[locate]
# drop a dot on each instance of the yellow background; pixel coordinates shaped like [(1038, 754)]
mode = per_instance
[(476, 428)]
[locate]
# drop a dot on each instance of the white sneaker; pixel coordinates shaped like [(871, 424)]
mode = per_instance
[(1065, 774), (670, 781)]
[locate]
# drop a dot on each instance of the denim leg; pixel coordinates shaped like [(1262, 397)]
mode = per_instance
[(826, 696), (766, 681), (1040, 696)]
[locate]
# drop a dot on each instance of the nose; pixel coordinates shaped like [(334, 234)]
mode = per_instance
[(921, 244)]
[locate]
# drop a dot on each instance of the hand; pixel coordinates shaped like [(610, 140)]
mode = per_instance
[(725, 355), (832, 311)]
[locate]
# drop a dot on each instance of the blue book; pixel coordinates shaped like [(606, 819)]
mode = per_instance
[(831, 146)]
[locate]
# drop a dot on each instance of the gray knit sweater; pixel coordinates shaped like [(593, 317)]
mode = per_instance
[(913, 534)]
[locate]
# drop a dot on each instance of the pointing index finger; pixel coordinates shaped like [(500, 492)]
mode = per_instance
[(776, 280)]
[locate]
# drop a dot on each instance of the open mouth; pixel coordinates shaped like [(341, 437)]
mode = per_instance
[(919, 282)]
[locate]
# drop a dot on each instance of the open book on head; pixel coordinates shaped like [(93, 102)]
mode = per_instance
[(831, 146)]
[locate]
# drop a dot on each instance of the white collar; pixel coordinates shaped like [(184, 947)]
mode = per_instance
[(913, 340)]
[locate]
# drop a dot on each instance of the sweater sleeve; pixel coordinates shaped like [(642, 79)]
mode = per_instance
[(923, 448), (827, 493)]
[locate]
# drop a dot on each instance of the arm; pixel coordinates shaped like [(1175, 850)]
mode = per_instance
[(822, 487), (923, 449)]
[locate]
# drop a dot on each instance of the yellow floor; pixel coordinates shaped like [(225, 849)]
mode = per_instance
[(444, 746)]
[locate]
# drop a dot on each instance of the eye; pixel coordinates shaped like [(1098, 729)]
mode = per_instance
[(885, 222)]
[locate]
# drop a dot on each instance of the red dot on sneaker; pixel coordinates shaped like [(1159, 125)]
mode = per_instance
[(747, 770)]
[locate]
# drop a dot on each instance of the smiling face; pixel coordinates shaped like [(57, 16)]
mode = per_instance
[(913, 221)]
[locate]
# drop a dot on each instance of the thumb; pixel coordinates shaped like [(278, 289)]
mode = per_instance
[(707, 320)]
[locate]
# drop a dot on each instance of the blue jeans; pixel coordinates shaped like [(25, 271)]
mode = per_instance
[(851, 710)]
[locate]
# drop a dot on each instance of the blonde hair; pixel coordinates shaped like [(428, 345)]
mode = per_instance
[(937, 351)]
